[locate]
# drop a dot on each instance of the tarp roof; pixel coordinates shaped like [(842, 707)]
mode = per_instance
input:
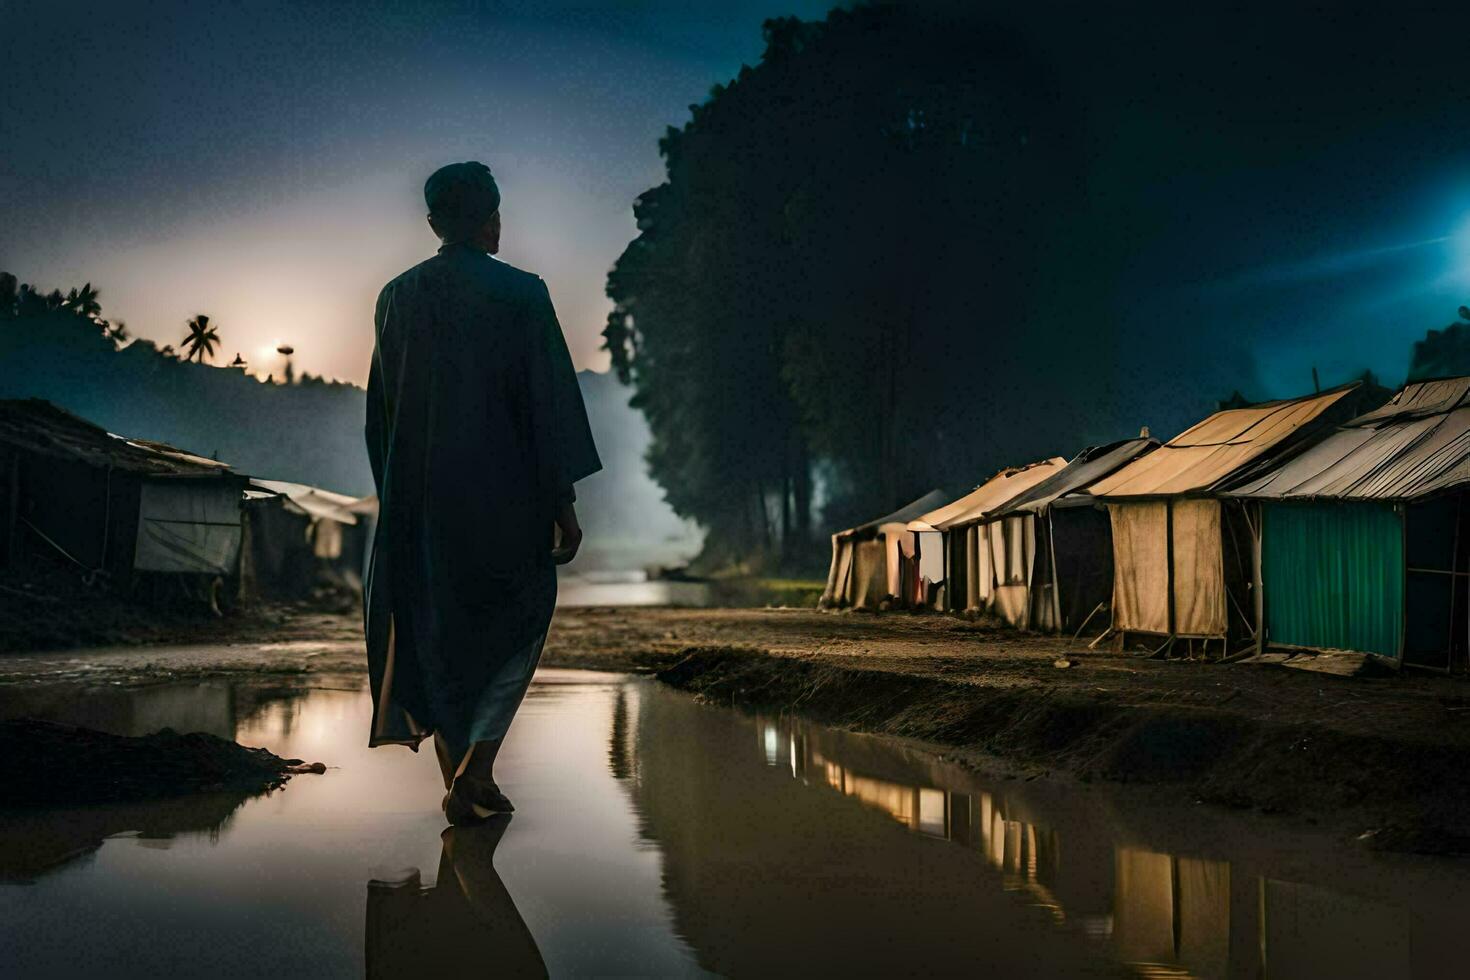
[(1416, 445), (1089, 466), (998, 490), (1206, 455), (903, 515), (316, 502), (35, 425)]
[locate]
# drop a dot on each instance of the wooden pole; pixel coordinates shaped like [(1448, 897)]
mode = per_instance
[(1258, 533), (1169, 558), (1056, 590)]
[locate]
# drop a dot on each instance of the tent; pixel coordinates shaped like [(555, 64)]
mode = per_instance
[(1364, 540), (941, 558), (108, 504), (1181, 561), (865, 559), (301, 537), (1049, 554)]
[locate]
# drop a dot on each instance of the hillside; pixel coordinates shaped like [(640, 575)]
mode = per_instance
[(311, 431)]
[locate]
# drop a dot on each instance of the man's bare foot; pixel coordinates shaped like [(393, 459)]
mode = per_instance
[(472, 801)]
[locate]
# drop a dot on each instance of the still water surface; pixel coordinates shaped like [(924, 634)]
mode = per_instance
[(656, 836)]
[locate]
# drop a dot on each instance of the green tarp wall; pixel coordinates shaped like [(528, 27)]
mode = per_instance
[(1334, 575)]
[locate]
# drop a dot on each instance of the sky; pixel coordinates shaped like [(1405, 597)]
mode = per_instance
[(263, 163), (1279, 187)]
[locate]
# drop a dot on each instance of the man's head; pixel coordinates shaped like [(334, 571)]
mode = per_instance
[(464, 205)]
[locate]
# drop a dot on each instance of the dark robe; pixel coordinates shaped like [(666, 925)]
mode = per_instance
[(476, 432)]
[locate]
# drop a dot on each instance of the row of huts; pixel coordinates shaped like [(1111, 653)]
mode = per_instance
[(1327, 522), (136, 513)]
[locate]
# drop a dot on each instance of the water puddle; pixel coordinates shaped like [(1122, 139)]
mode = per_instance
[(656, 836)]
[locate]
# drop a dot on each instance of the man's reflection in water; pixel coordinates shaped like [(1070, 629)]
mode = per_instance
[(466, 923)]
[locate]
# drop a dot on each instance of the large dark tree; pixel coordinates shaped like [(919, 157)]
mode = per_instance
[(852, 266)]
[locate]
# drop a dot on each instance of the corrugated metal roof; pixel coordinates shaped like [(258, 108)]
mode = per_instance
[(1090, 465), (1420, 399), (995, 492), (1202, 457), (35, 425), (903, 515), (1416, 445)]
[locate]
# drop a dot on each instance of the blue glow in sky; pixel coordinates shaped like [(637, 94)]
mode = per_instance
[(1267, 190)]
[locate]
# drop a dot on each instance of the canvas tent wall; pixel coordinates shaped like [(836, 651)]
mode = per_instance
[(865, 559), (1050, 556), (104, 503), (1181, 561), (1365, 541), (943, 565)]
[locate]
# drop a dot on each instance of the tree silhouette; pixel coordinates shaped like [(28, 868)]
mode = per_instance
[(203, 338), (848, 270), (9, 296), (84, 302)]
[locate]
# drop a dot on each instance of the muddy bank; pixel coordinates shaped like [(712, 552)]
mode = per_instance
[(45, 764), (1392, 792)]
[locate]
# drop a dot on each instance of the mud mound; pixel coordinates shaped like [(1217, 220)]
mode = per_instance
[(47, 764)]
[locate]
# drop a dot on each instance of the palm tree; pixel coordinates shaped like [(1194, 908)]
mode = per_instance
[(201, 341), (116, 332), (286, 350), (84, 301)]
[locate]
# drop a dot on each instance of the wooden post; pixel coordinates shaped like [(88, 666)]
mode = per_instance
[(1449, 653), (1404, 597), (1169, 557), (1258, 534), (1056, 590)]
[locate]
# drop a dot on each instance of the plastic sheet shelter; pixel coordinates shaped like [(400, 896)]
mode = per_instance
[(1365, 540), (1181, 564), (300, 536), (107, 504), (865, 559), (940, 553), (1051, 558)]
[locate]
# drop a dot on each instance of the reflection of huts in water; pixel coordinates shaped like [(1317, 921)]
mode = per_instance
[(130, 510), (1181, 911), (303, 538), (915, 875), (765, 876)]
